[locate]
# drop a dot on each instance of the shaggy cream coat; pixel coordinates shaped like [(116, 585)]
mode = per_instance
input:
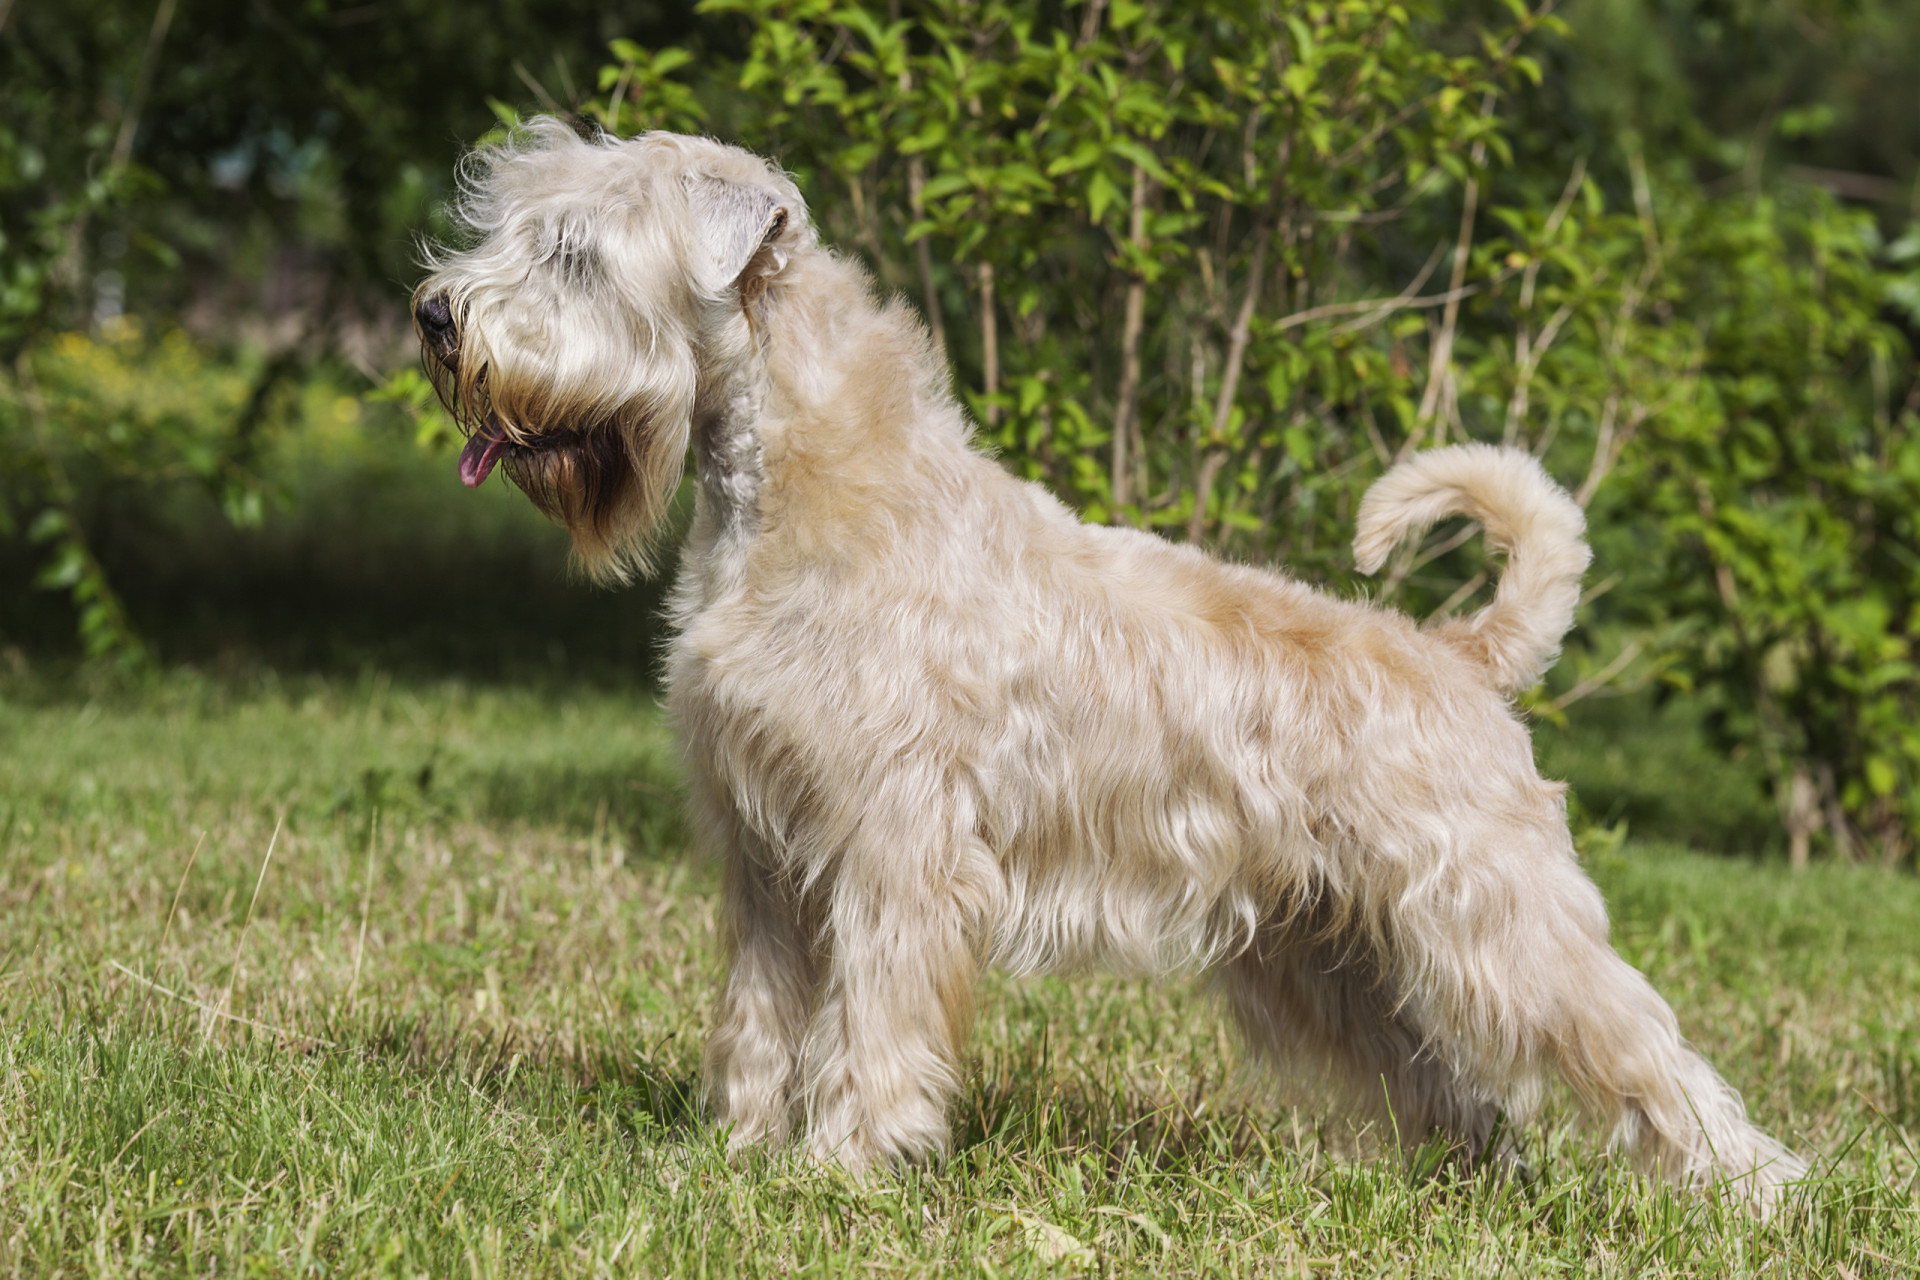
[(933, 721)]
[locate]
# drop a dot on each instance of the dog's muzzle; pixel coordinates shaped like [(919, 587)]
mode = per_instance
[(433, 317)]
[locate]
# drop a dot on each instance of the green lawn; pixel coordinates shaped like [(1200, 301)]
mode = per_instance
[(450, 1027)]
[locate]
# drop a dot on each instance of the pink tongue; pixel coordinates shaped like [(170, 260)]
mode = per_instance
[(477, 459)]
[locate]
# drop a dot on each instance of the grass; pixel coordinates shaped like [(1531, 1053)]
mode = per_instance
[(451, 1027)]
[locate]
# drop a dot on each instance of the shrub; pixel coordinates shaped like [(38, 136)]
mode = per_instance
[(1210, 268)]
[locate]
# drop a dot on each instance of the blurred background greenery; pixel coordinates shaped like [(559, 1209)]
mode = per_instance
[(1204, 268)]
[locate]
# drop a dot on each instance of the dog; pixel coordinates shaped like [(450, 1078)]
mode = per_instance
[(932, 721)]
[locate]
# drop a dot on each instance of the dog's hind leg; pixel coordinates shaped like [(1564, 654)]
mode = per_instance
[(753, 1054), (1507, 959), (1319, 1009)]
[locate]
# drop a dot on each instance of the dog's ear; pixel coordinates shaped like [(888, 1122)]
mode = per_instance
[(735, 221)]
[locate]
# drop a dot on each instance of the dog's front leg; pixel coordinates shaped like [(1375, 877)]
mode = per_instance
[(882, 1054), (753, 1054)]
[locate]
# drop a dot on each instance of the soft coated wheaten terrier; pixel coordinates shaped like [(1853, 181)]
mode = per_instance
[(933, 721)]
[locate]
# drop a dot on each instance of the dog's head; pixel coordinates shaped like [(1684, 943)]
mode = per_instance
[(599, 295)]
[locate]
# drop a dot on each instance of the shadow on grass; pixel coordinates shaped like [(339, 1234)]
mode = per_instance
[(637, 799), (641, 801), (1091, 1108), (627, 1085)]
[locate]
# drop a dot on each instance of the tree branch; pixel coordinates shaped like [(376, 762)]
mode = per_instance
[(1229, 386), (916, 205), (136, 103), (989, 343), (1440, 360), (923, 256), (1527, 351), (1598, 679), (1127, 410), (1440, 363)]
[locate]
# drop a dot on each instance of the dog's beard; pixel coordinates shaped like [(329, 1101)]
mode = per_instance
[(606, 470), (609, 486), (585, 480)]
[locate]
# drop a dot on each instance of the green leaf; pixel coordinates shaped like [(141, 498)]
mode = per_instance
[(48, 525), (1139, 155), (1102, 195), (63, 570)]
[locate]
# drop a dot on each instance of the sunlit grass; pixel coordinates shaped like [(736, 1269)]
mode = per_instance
[(457, 1029)]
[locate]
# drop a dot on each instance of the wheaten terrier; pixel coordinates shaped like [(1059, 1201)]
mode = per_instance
[(933, 721)]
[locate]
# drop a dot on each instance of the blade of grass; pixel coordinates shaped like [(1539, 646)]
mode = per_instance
[(233, 975)]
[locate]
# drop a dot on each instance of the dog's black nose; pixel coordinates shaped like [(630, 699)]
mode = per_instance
[(435, 317)]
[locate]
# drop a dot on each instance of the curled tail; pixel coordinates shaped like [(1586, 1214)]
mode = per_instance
[(1525, 514)]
